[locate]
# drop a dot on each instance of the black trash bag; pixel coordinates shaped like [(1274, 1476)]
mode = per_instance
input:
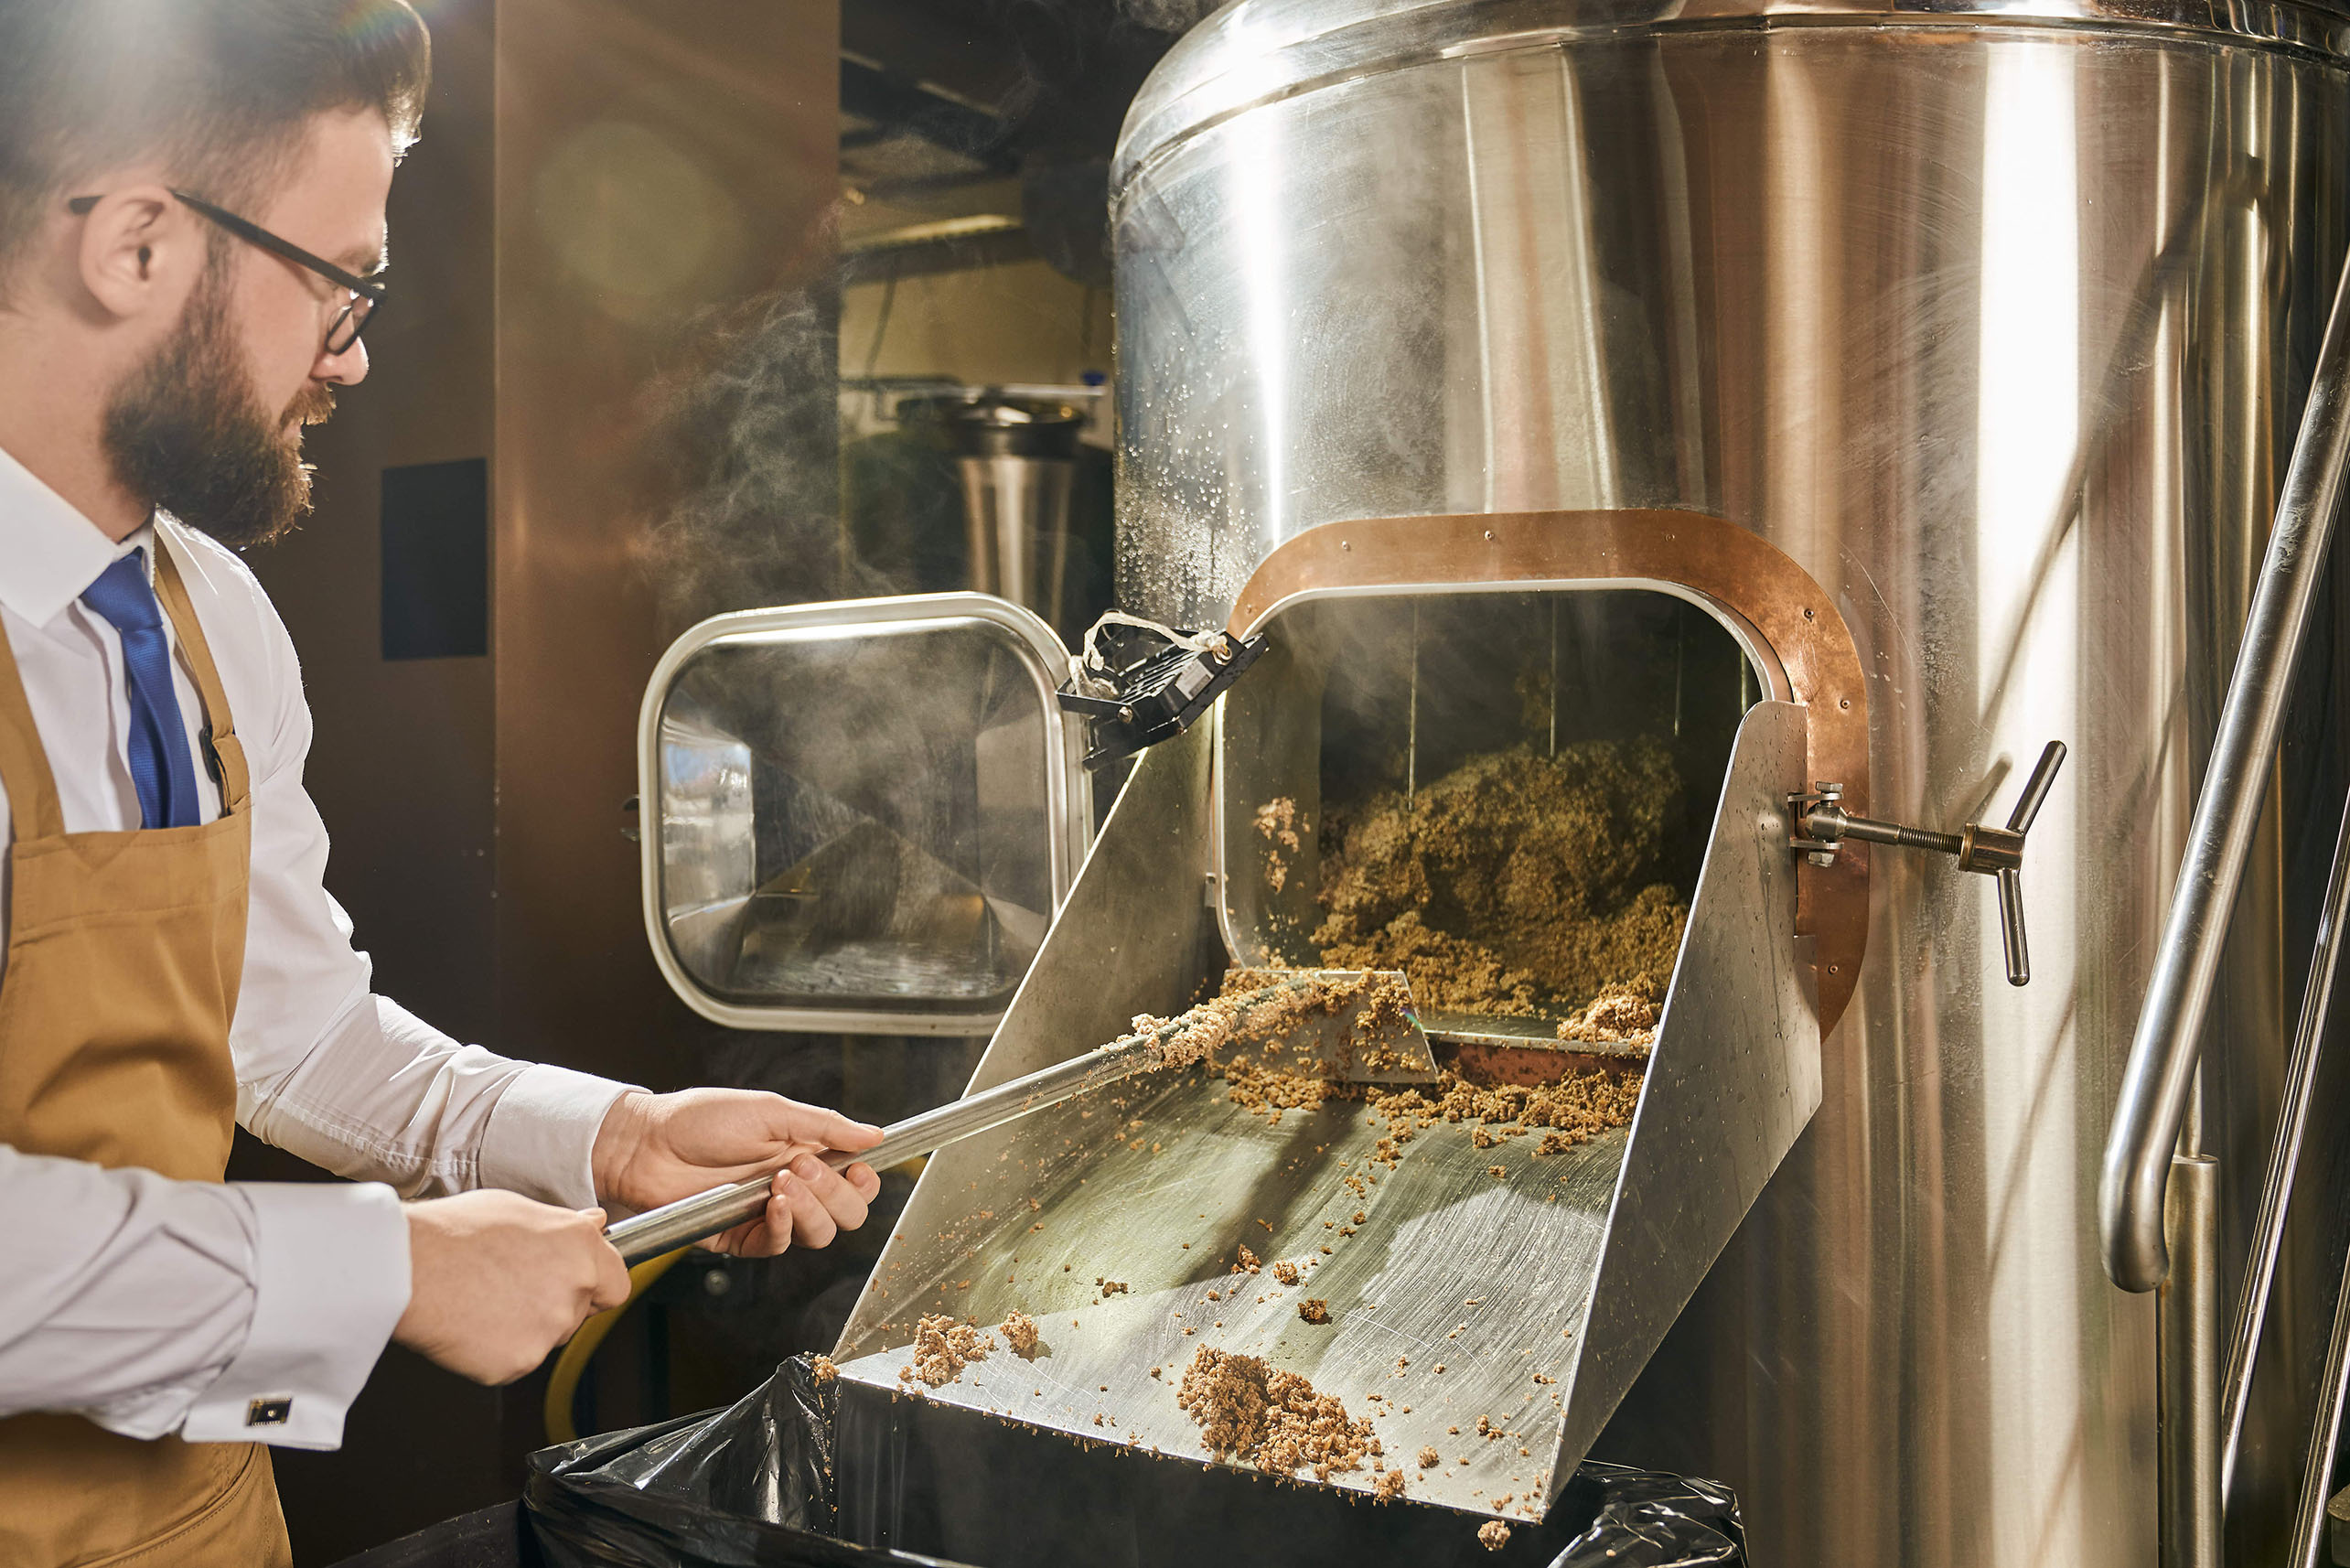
[(755, 1485), (747, 1487), (1645, 1518)]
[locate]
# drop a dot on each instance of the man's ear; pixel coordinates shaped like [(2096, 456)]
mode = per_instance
[(139, 251)]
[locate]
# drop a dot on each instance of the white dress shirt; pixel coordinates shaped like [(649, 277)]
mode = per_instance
[(151, 1305)]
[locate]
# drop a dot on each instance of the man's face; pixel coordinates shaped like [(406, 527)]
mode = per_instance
[(209, 428)]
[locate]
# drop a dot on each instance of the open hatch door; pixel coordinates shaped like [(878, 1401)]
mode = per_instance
[(859, 816)]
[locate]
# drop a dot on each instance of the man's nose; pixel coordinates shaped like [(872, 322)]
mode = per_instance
[(347, 369)]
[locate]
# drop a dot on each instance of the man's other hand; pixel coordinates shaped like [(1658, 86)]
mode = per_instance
[(657, 1148), (497, 1281)]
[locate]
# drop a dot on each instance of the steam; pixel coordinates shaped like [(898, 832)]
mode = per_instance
[(1079, 64), (1172, 16), (745, 441)]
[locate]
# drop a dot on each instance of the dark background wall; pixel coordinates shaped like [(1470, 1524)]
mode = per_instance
[(654, 163)]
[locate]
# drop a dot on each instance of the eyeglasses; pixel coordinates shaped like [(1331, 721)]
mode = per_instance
[(367, 294)]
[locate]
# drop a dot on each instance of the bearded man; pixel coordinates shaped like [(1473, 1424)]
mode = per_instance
[(191, 247)]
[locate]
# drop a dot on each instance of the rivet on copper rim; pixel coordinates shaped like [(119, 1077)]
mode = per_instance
[(1345, 545), (1488, 534), (1843, 702), (1807, 614)]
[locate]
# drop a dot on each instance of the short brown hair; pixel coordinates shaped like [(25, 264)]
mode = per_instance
[(219, 89)]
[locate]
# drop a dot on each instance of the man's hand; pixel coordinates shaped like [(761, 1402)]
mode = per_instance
[(497, 1281), (657, 1148)]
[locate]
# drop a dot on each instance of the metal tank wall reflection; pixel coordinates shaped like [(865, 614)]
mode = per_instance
[(2000, 327)]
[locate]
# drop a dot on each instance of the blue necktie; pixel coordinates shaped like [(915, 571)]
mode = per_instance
[(162, 767)]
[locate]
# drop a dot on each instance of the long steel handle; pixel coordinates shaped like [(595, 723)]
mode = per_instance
[(2156, 1084), (705, 1214), (2285, 1154)]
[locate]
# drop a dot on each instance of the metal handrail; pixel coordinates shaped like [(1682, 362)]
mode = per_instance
[(2156, 1084), (2285, 1154), (2186, 1339), (2324, 1442)]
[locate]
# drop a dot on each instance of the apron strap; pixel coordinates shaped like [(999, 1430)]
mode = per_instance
[(219, 726), (33, 810)]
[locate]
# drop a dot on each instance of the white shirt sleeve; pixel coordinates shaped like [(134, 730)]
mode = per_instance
[(385, 1097), (227, 1312), (346, 1079)]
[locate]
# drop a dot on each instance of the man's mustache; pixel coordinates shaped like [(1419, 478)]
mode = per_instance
[(314, 404)]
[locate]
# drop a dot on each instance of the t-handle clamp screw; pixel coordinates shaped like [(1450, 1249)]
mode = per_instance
[(1823, 824)]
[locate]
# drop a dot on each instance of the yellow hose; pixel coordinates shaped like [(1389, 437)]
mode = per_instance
[(563, 1385)]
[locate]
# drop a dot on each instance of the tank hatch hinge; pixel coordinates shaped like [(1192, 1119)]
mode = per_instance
[(1822, 825), (1141, 682)]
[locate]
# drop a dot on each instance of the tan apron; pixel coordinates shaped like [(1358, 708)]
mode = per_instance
[(124, 950)]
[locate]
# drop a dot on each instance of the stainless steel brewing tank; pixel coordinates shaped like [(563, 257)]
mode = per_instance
[(1998, 323)]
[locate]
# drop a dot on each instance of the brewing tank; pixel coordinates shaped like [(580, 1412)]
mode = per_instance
[(1998, 322), (1014, 457)]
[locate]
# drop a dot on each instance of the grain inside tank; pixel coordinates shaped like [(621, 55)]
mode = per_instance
[(1516, 883)]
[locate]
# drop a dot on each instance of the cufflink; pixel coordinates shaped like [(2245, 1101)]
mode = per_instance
[(269, 1412)]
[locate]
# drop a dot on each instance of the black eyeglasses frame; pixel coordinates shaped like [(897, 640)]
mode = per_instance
[(367, 291)]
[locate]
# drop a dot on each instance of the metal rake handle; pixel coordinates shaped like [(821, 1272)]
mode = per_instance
[(705, 1214)]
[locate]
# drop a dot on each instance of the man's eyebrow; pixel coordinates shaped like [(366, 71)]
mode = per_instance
[(365, 260)]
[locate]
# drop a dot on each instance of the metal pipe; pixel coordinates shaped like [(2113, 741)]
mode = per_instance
[(2284, 1154), (2156, 1082), (2325, 1439), (2187, 1329)]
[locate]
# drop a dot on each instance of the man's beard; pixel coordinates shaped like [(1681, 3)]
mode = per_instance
[(185, 432)]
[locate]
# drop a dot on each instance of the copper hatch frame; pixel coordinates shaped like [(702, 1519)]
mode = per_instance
[(1755, 589)]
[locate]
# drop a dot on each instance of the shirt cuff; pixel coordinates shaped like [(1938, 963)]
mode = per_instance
[(541, 1141), (330, 1281)]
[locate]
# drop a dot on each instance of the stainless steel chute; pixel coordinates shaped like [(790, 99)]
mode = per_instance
[(1460, 1282), (1463, 1281)]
